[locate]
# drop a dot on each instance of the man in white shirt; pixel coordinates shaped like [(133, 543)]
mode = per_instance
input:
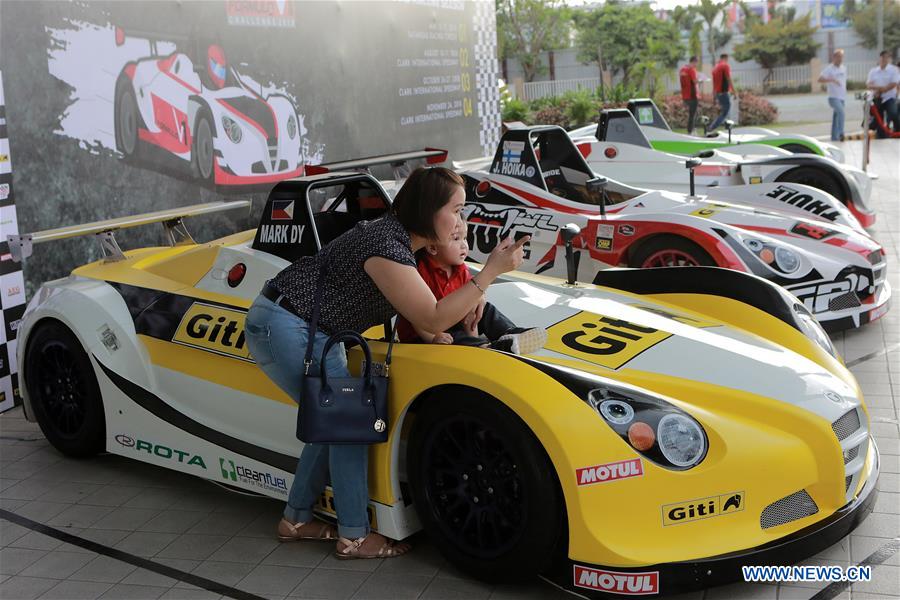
[(884, 80), (835, 76)]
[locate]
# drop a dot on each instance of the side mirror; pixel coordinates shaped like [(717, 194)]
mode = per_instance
[(691, 164), (598, 185), (704, 120), (728, 125), (569, 233)]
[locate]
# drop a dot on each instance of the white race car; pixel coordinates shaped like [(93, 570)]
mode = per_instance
[(618, 147), (538, 182), (207, 117)]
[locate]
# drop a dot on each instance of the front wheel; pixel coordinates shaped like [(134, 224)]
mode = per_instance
[(63, 390), (202, 150), (484, 488), (670, 251), (814, 178)]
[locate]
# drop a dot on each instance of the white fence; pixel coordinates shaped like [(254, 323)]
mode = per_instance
[(752, 79)]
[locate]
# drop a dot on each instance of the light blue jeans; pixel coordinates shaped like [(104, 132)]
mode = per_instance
[(837, 119), (724, 101), (277, 342)]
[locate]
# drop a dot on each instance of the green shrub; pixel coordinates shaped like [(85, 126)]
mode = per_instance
[(514, 110), (581, 107), (551, 115)]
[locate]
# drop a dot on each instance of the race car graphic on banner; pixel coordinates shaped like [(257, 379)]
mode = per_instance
[(180, 104)]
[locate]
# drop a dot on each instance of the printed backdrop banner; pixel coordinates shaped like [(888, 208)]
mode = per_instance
[(126, 107), (12, 287)]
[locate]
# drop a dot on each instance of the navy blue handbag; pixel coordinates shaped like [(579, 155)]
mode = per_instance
[(342, 410)]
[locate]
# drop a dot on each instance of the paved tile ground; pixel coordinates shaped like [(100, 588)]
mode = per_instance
[(196, 527)]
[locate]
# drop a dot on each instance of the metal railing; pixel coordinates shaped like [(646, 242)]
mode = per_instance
[(543, 89)]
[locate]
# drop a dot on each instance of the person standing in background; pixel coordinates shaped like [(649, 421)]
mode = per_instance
[(690, 91), (835, 77), (722, 88), (883, 80)]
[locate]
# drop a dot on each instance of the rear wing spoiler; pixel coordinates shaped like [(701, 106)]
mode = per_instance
[(398, 161), (20, 246)]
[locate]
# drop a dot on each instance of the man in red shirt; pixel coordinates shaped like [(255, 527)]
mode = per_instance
[(722, 88), (690, 91), (443, 269)]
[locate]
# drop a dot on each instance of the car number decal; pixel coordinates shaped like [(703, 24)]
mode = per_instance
[(602, 340)]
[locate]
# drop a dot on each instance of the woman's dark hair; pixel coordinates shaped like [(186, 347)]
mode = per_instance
[(425, 192)]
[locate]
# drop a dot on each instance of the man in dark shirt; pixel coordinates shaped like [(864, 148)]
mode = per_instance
[(722, 88), (690, 92)]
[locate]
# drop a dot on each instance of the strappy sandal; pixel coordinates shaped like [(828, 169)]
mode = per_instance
[(311, 530), (351, 549)]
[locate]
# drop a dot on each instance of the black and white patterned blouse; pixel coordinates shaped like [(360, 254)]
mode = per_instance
[(350, 300)]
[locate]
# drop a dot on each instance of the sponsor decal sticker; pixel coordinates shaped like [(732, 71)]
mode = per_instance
[(606, 341), (626, 229), (4, 158), (214, 329), (512, 151), (4, 191), (261, 479), (623, 469), (755, 180), (282, 210), (793, 197), (281, 234), (811, 231), (704, 212), (160, 451), (817, 296), (703, 508), (617, 582), (605, 237), (645, 115), (260, 13)]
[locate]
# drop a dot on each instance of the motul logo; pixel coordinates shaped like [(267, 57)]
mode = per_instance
[(628, 584), (609, 472)]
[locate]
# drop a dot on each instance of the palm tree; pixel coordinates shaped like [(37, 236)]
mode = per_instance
[(709, 11)]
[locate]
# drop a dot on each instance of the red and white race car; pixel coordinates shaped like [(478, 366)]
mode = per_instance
[(538, 182), (205, 116)]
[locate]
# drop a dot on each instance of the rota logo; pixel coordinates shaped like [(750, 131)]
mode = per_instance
[(161, 451), (627, 584), (609, 472), (703, 508), (214, 329)]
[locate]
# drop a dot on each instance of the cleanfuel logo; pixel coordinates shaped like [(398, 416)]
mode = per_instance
[(261, 479), (173, 454)]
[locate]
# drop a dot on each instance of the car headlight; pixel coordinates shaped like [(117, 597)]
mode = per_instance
[(811, 329), (232, 129), (787, 260), (292, 126), (781, 259), (658, 430), (681, 440)]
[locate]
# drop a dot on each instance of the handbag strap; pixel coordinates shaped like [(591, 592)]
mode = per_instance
[(314, 317), (389, 332)]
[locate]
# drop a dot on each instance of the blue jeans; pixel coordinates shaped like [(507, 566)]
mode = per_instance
[(837, 119), (724, 101), (277, 341), (889, 114)]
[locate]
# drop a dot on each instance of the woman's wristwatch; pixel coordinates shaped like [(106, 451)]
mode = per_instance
[(475, 283)]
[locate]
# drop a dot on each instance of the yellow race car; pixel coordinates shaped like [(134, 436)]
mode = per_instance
[(679, 423)]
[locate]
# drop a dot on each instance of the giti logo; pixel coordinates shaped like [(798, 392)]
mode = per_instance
[(703, 508), (214, 329), (602, 340)]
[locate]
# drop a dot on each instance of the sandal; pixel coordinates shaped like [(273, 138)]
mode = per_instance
[(311, 530), (365, 547)]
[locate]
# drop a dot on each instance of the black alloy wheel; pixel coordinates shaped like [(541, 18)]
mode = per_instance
[(484, 488), (814, 178), (63, 391)]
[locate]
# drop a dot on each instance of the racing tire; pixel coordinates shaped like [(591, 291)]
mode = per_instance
[(63, 390), (203, 148), (127, 121), (798, 149), (813, 178), (670, 251), (484, 488)]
